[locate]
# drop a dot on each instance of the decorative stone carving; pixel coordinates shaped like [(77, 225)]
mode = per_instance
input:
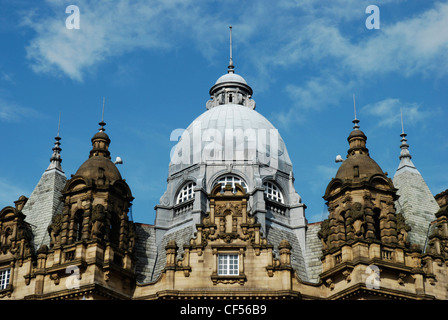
[(54, 229), (402, 229), (98, 222)]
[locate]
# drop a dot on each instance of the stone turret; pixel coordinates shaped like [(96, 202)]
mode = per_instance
[(360, 199), (416, 202)]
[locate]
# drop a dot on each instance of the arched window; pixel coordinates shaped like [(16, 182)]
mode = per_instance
[(376, 222), (272, 192), (232, 179), (186, 193), (78, 225)]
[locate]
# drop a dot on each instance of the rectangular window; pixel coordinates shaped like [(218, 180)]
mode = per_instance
[(356, 171), (4, 278), (228, 265)]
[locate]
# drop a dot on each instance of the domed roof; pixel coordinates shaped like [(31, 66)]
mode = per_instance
[(99, 167), (231, 77), (358, 164), (366, 167), (356, 133), (230, 132), (101, 135)]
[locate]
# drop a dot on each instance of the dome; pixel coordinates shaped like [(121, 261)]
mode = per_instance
[(358, 164), (231, 132), (366, 167), (231, 77), (233, 82), (357, 134), (98, 167)]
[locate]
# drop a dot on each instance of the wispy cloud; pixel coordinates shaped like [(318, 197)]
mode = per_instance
[(388, 112), (295, 33), (9, 192), (6, 77), (314, 95), (107, 29), (412, 46), (12, 112)]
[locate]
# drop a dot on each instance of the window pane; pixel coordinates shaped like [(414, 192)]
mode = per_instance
[(228, 264), (272, 192), (4, 278), (186, 193), (232, 180)]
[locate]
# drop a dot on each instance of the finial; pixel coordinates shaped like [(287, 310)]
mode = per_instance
[(355, 121), (59, 123), (405, 155), (102, 123), (230, 67), (55, 160), (402, 127), (404, 145)]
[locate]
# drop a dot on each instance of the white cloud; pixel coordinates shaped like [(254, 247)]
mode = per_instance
[(11, 112), (415, 45), (107, 29), (294, 33), (388, 112), (410, 46), (9, 193), (315, 94)]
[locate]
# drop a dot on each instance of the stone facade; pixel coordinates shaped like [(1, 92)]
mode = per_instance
[(226, 229)]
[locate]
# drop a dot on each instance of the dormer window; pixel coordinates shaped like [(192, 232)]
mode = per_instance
[(272, 192), (186, 193), (232, 180)]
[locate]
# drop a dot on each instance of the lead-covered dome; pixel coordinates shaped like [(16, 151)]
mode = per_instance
[(231, 77), (230, 132)]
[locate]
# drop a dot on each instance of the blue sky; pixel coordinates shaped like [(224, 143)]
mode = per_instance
[(155, 61)]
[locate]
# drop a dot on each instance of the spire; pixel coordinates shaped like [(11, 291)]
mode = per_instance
[(102, 123), (100, 141), (230, 88), (355, 121), (55, 160), (405, 156), (416, 201), (357, 139), (230, 67)]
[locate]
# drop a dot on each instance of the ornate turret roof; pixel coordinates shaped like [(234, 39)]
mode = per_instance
[(405, 157), (45, 200), (99, 165), (416, 202), (55, 160), (231, 88), (358, 164)]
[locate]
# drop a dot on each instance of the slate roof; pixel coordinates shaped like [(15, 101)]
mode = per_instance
[(44, 202), (313, 252), (277, 234), (145, 251), (416, 202)]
